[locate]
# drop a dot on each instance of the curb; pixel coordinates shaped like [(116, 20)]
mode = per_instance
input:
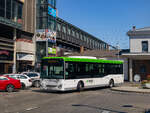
[(113, 89)]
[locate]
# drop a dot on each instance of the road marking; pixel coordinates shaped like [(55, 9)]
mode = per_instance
[(31, 108), (105, 111)]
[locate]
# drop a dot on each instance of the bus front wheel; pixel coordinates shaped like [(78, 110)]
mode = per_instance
[(80, 86)]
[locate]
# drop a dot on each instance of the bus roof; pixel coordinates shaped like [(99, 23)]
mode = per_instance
[(86, 60)]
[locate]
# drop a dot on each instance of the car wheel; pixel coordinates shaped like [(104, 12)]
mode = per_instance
[(37, 84), (10, 88), (80, 86), (23, 86), (111, 83)]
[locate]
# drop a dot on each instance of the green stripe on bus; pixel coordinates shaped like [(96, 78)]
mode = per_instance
[(85, 60)]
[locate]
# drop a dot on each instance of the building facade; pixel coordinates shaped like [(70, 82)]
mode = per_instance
[(139, 55), (46, 14), (10, 25), (72, 38), (45, 29), (17, 49), (25, 42)]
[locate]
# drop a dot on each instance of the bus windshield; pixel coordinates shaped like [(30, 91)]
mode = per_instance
[(52, 69)]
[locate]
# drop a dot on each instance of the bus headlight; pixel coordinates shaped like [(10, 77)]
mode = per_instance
[(60, 86)]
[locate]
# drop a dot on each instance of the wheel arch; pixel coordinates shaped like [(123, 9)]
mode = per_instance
[(111, 81), (81, 83), (8, 85)]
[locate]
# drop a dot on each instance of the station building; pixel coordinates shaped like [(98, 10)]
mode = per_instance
[(139, 54), (72, 38)]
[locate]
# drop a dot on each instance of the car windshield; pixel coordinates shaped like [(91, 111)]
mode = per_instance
[(23, 77), (32, 74), (52, 69)]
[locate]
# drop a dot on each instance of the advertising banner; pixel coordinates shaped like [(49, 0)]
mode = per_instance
[(51, 11), (25, 57), (51, 51), (6, 55), (46, 34)]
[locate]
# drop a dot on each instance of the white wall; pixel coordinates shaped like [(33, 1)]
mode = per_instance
[(25, 47), (136, 43)]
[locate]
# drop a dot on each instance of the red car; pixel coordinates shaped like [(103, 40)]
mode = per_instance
[(9, 84)]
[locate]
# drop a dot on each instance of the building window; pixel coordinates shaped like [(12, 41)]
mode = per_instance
[(64, 29), (90, 42), (87, 39), (11, 9), (51, 23), (104, 46), (20, 6), (69, 31), (143, 69), (73, 33), (42, 1), (81, 36), (42, 23), (84, 38), (58, 27), (14, 10), (101, 46), (42, 11), (77, 35), (144, 46), (2, 8), (8, 9)]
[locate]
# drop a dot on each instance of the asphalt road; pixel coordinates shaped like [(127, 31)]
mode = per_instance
[(101, 100)]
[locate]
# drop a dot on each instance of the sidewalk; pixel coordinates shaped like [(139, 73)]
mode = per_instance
[(131, 87)]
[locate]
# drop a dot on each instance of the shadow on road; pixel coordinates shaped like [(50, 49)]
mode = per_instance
[(131, 106), (98, 108), (66, 92)]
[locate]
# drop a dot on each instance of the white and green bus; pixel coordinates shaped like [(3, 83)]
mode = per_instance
[(64, 73)]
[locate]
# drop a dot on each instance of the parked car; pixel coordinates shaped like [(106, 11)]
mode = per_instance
[(9, 84), (35, 78), (24, 79)]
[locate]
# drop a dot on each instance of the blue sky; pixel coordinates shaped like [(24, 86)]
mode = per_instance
[(108, 20)]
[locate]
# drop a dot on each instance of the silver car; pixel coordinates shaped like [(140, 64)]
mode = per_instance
[(35, 78)]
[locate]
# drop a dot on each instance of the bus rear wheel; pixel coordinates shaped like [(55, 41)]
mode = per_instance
[(80, 86)]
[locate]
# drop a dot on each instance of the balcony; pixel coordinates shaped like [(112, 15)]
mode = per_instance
[(11, 23), (25, 46)]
